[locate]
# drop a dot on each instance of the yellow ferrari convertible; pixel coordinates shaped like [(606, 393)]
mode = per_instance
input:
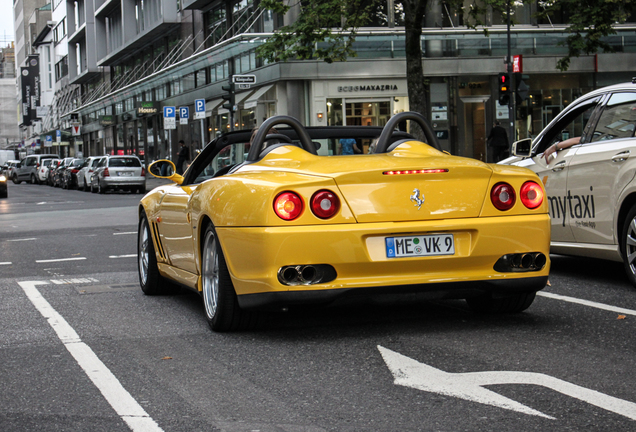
[(283, 216)]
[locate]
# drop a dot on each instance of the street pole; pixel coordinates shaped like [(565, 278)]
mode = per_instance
[(511, 101)]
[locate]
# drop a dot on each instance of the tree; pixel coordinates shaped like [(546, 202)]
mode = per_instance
[(589, 21), (326, 29)]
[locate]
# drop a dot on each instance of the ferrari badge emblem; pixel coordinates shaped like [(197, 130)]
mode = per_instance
[(417, 198)]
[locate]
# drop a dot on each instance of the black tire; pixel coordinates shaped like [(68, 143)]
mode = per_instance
[(85, 187), (628, 245), (141, 190), (4, 194), (220, 302), (510, 304), (150, 280), (100, 189), (93, 189), (15, 180), (34, 179)]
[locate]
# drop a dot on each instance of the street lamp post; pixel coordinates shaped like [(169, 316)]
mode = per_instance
[(511, 91)]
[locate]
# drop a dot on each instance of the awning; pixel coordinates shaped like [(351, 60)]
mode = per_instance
[(211, 106), (240, 96), (252, 101), (237, 100)]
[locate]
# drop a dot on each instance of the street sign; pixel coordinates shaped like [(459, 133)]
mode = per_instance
[(49, 141), (199, 109), (244, 79), (184, 115), (243, 86), (169, 117), (58, 136), (470, 385), (75, 129)]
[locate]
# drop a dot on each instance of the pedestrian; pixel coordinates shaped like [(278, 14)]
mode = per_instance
[(349, 146), (498, 142), (184, 156)]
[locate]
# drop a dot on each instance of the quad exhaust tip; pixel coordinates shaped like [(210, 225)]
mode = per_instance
[(523, 262), (306, 274)]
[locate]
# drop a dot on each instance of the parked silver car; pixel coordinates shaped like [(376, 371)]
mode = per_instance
[(119, 173), (86, 172), (27, 169)]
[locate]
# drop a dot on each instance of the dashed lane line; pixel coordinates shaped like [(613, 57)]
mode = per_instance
[(575, 300), (113, 391), (125, 233), (6, 263), (60, 260), (123, 256)]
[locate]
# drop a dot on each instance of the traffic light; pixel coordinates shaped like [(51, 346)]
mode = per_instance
[(504, 88), (229, 97)]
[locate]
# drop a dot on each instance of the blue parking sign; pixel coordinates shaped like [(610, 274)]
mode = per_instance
[(169, 111), (199, 108), (184, 114)]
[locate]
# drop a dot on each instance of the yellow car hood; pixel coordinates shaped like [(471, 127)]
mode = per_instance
[(446, 187)]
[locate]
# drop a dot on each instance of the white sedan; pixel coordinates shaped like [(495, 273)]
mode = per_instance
[(586, 158)]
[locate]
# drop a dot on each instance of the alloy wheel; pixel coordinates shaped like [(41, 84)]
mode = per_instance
[(210, 275), (144, 238)]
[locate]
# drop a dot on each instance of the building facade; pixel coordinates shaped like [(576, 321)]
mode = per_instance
[(121, 62)]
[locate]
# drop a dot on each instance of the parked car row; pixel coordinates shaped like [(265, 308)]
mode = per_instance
[(97, 174)]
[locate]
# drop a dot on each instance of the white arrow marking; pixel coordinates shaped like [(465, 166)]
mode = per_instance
[(411, 373)]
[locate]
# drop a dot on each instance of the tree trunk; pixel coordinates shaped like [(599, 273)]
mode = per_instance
[(414, 14)]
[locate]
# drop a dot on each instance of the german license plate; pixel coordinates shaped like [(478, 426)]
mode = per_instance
[(421, 245), (125, 173)]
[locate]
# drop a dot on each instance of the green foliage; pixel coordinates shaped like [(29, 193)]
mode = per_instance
[(589, 20), (319, 31)]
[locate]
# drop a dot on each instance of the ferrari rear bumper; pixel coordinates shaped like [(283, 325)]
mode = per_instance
[(358, 253)]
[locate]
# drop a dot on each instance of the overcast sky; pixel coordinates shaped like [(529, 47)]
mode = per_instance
[(6, 21)]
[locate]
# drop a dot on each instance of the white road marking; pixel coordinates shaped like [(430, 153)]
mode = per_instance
[(588, 303), (123, 256), (25, 239), (60, 260), (73, 281), (469, 386), (125, 233), (117, 396), (6, 263)]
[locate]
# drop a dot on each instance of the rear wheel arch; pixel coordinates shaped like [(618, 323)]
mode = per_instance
[(628, 203)]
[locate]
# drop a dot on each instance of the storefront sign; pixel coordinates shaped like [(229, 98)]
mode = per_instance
[(147, 108), (106, 120), (517, 63), (367, 88)]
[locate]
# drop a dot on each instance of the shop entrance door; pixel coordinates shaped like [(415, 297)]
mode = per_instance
[(475, 127)]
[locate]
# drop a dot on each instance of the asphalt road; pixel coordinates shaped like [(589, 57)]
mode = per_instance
[(82, 349)]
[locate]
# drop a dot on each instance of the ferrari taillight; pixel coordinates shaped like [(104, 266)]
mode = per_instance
[(288, 205), (531, 195), (325, 204), (503, 196)]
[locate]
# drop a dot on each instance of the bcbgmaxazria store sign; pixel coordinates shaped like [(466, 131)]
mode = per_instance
[(368, 88)]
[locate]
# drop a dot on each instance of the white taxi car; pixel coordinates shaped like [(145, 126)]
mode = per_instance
[(591, 184)]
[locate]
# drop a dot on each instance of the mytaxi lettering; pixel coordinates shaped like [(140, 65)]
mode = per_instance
[(578, 206), (359, 88)]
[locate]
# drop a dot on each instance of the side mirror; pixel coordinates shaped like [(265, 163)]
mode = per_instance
[(522, 148), (18, 166), (163, 168)]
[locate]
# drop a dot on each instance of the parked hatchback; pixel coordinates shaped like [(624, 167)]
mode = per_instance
[(119, 173), (43, 171)]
